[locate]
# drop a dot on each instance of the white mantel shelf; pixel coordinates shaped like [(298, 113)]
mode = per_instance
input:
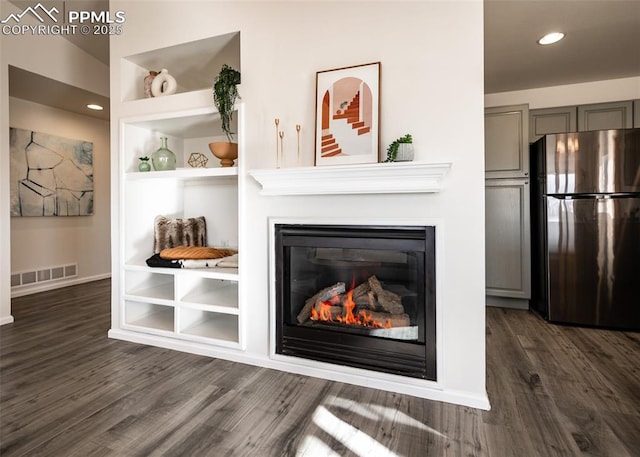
[(376, 178)]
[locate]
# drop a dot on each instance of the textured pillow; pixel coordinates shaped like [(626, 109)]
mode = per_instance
[(171, 232)]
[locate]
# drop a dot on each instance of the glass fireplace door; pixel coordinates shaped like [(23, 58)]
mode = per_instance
[(357, 295)]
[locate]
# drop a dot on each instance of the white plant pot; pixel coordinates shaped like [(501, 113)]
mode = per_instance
[(405, 152)]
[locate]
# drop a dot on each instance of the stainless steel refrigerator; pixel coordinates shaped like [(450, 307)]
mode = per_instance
[(585, 213)]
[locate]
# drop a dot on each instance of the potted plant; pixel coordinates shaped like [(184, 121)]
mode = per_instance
[(401, 150), (225, 94), (144, 164)]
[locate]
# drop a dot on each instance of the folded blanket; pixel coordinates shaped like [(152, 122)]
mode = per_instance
[(226, 262), (156, 261), (229, 262)]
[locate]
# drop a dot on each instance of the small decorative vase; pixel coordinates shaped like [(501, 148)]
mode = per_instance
[(147, 83), (226, 152), (405, 152), (163, 84), (144, 164), (163, 158)]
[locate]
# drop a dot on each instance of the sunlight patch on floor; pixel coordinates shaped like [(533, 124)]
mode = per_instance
[(313, 446), (377, 412), (325, 417), (355, 440)]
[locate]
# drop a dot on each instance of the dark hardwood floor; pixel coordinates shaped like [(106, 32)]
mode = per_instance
[(68, 390)]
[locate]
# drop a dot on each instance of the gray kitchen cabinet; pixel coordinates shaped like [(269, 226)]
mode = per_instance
[(560, 119), (603, 116), (506, 141), (507, 238), (636, 114)]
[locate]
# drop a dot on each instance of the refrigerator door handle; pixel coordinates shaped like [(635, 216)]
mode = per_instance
[(594, 196)]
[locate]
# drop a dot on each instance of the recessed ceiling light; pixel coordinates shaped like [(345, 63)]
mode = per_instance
[(551, 38), (95, 107)]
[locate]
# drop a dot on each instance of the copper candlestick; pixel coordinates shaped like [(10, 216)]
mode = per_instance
[(281, 148), (277, 148), (298, 127)]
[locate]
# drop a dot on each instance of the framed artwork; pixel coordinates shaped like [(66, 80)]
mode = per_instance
[(347, 115), (50, 175)]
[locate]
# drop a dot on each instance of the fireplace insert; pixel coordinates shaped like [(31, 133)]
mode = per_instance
[(359, 296)]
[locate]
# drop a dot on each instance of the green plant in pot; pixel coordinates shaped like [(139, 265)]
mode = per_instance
[(225, 94), (401, 150)]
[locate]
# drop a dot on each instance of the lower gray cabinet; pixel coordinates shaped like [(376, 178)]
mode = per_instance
[(508, 245), (604, 116), (636, 114)]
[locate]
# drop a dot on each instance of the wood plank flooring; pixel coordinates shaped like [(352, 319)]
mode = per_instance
[(68, 390)]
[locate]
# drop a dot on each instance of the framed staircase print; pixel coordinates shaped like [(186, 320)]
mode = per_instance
[(347, 115)]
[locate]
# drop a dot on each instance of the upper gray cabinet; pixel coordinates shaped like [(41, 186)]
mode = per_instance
[(604, 116), (506, 142), (595, 116), (562, 119)]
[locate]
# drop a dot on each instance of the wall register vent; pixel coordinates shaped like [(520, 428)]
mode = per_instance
[(29, 278)]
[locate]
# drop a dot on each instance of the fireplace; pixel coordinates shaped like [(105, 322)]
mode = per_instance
[(358, 296)]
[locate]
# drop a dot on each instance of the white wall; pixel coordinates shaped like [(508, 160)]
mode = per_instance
[(53, 57), (5, 231), (432, 87), (571, 94), (40, 242)]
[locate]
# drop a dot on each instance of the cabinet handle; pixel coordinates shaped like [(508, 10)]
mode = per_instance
[(526, 174)]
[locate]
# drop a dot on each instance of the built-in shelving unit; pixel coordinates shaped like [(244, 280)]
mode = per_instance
[(197, 305)]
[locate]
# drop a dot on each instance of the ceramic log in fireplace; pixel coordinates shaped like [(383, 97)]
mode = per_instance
[(360, 296)]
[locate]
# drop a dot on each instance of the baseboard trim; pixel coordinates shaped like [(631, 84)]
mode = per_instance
[(504, 302), (21, 291), (6, 320)]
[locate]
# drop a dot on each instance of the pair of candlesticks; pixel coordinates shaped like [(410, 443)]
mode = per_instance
[(280, 143)]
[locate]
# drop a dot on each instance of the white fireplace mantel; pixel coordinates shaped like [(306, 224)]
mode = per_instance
[(377, 178)]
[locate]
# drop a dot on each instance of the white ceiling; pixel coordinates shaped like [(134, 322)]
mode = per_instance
[(602, 42), (46, 91)]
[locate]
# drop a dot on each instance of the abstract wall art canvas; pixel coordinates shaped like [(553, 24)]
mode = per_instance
[(347, 113), (50, 175)]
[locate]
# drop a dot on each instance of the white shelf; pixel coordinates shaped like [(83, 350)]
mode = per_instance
[(379, 178), (213, 326), (213, 296), (144, 285), (229, 274), (184, 173), (149, 317), (160, 292), (159, 106)]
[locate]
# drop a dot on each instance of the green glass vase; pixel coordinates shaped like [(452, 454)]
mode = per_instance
[(163, 158), (144, 164)]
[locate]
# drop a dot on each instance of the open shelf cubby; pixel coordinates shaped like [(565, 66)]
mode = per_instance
[(205, 324), (149, 316), (194, 64)]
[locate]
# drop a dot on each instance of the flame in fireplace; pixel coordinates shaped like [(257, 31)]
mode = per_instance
[(362, 318)]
